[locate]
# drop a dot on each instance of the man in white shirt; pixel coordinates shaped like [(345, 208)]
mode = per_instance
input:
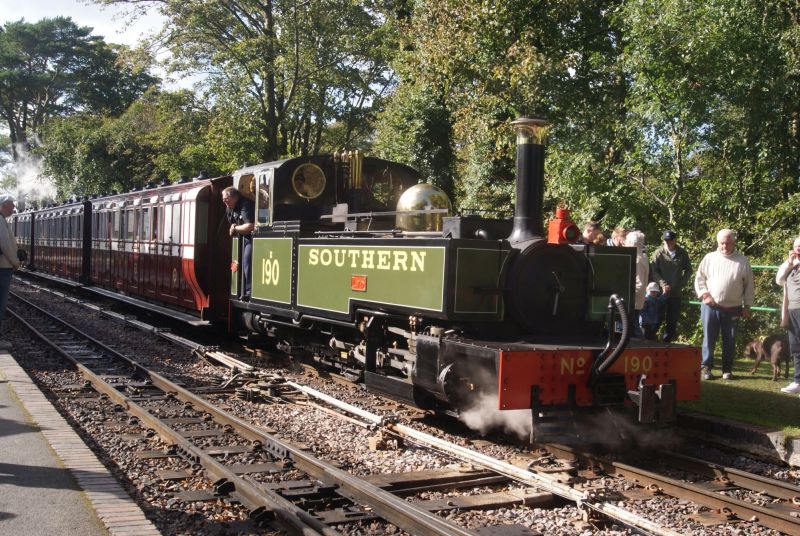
[(724, 282), (8, 258)]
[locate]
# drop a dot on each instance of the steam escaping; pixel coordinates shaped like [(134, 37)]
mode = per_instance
[(25, 178), (484, 417), (611, 429), (616, 431)]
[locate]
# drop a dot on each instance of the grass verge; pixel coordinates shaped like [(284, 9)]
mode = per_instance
[(754, 399)]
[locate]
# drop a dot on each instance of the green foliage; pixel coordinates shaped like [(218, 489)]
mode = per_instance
[(54, 68), (669, 113), (280, 72), (162, 135), (416, 129)]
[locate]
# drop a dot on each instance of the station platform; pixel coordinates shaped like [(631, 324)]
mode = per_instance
[(50, 481)]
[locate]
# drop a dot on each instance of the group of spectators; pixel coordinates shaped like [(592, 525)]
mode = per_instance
[(659, 280), (723, 282)]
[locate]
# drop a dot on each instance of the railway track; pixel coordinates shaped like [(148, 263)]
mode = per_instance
[(145, 394), (728, 494), (192, 421)]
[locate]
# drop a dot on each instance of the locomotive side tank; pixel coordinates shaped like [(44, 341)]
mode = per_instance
[(438, 309)]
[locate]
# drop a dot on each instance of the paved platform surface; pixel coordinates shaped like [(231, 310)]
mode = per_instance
[(50, 482)]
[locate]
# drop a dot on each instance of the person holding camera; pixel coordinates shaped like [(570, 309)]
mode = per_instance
[(9, 258), (789, 278)]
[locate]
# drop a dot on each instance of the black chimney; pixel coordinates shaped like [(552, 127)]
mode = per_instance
[(528, 222)]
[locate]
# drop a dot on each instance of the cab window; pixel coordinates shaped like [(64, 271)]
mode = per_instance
[(263, 199)]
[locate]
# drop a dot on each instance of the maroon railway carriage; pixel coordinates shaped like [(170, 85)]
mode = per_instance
[(22, 225), (61, 240), (167, 246)]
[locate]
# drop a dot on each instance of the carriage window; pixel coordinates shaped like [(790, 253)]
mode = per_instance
[(144, 224), (176, 223), (130, 224), (308, 181), (263, 197), (115, 226), (154, 223), (167, 225)]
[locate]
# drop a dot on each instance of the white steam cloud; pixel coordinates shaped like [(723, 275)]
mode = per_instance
[(484, 417), (31, 186), (613, 429)]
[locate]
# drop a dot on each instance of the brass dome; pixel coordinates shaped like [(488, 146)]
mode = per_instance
[(414, 204)]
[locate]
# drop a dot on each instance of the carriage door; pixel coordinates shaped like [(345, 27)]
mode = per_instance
[(132, 248), (148, 246), (160, 233), (170, 274), (118, 247)]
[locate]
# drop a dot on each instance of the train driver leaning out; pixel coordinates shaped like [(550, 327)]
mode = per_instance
[(240, 213)]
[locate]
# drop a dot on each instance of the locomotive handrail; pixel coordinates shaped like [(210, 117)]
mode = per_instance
[(603, 363), (389, 232), (385, 213)]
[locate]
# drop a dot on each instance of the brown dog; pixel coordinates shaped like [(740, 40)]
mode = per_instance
[(774, 348)]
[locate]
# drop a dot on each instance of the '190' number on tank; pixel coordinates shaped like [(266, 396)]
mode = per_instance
[(270, 271), (634, 363)]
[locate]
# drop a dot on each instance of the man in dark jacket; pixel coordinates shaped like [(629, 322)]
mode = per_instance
[(671, 269), (240, 213)]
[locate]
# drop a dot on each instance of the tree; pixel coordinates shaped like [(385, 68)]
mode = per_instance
[(489, 63), (282, 70), (162, 135), (54, 68), (416, 129)]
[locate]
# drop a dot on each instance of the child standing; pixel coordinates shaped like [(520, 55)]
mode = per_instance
[(648, 316)]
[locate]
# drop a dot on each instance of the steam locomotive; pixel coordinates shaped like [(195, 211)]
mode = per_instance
[(358, 266)]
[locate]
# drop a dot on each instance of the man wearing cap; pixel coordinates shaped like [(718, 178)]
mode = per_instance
[(671, 269), (8, 258), (724, 282)]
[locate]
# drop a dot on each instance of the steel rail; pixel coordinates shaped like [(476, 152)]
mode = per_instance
[(254, 498), (774, 488), (394, 509), (582, 499), (769, 517)]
